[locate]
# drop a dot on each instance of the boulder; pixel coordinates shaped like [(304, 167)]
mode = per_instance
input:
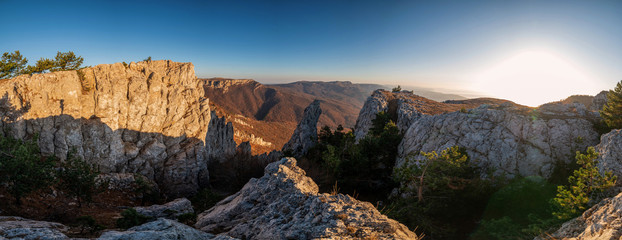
[(163, 229), (285, 204), (305, 135), (170, 210), (603, 221), (21, 228), (508, 140)]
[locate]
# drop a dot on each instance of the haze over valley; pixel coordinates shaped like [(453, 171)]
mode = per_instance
[(310, 120)]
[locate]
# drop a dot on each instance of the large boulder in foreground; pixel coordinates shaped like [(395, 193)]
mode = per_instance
[(305, 135), (601, 222), (21, 228), (162, 229), (285, 204), (508, 139)]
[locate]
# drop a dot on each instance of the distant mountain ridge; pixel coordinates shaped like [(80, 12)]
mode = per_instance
[(268, 113)]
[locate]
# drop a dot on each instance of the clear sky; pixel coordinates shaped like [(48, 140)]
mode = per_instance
[(519, 50)]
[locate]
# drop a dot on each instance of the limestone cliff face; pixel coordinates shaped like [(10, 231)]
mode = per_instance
[(220, 145), (285, 204), (149, 118), (377, 102), (305, 135), (511, 140)]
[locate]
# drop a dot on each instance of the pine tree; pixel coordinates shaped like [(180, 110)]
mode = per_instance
[(586, 186), (42, 65), (612, 111), (67, 61), (12, 64)]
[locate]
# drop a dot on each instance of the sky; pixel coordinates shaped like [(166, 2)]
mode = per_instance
[(530, 52)]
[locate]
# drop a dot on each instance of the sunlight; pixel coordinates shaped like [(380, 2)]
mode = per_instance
[(533, 78)]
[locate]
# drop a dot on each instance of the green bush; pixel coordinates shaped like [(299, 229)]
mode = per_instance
[(587, 186), (145, 190), (445, 194), (78, 178), (519, 210), (364, 167), (130, 218), (22, 167)]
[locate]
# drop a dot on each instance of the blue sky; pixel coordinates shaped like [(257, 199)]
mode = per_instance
[(438, 44)]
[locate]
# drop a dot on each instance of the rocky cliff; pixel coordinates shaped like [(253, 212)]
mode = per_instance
[(404, 108), (285, 204), (305, 135), (510, 139), (220, 145), (147, 117)]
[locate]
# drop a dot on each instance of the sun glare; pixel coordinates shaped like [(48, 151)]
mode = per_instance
[(534, 77)]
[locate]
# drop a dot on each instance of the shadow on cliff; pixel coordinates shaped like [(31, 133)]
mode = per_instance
[(178, 164)]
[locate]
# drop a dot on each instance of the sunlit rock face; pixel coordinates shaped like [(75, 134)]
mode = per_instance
[(601, 222), (507, 139), (147, 117), (285, 204)]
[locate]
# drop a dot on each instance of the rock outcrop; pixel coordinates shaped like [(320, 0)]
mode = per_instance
[(599, 101), (601, 222), (377, 102), (285, 204), (163, 229), (170, 210), (509, 139), (404, 107), (21, 228), (610, 154), (147, 117), (220, 145), (305, 135), (225, 83)]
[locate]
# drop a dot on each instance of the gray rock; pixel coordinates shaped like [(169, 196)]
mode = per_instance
[(285, 204), (510, 142), (405, 104), (599, 101), (169, 210), (220, 144), (21, 228), (305, 135), (163, 229), (603, 221), (377, 102), (610, 155)]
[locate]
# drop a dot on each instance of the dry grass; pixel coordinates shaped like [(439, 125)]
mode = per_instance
[(342, 216), (335, 190)]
